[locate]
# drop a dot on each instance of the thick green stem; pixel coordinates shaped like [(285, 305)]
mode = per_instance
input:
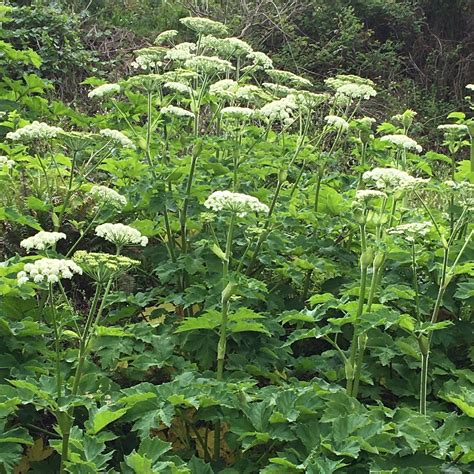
[(318, 188), (56, 341), (222, 344), (350, 366), (423, 382)]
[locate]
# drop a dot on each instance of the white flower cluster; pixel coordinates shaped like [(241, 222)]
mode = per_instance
[(238, 112), (117, 137), (226, 47), (165, 36), (224, 89), (392, 179), (278, 90), (149, 58), (204, 25), (402, 141), (48, 270), (309, 100), (42, 240), (177, 111), (105, 195), (181, 52), (178, 87), (470, 87), (412, 230), (351, 86), (366, 195), (239, 203), (248, 92), (260, 60), (104, 90), (120, 234), (34, 131), (464, 192), (287, 77), (453, 128), (5, 161), (209, 65), (357, 91), (337, 122), (281, 110)]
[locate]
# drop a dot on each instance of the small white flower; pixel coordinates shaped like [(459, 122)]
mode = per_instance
[(351, 87), (42, 240), (50, 269), (239, 203), (34, 131), (463, 190), (105, 195), (177, 111), (117, 137), (5, 161), (248, 92), (402, 141), (278, 90), (104, 90), (336, 122), (470, 87), (120, 234)]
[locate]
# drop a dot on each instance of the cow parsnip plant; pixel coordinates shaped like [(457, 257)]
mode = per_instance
[(226, 269)]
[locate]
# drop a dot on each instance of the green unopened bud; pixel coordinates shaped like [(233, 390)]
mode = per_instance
[(359, 216), (424, 344), (362, 341), (365, 136), (366, 258), (379, 259), (282, 175)]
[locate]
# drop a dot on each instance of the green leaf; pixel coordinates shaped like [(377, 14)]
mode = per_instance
[(103, 417), (209, 320), (16, 435)]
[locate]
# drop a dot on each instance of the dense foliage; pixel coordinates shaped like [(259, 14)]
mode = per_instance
[(226, 267)]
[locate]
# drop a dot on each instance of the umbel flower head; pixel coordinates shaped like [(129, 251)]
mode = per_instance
[(104, 90), (366, 195), (337, 122), (165, 37), (239, 203), (34, 131), (204, 26), (208, 65), (391, 179), (454, 128), (411, 231), (117, 137), (288, 78), (176, 111), (42, 240), (237, 113), (107, 196), (101, 267), (48, 270), (402, 141), (121, 235)]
